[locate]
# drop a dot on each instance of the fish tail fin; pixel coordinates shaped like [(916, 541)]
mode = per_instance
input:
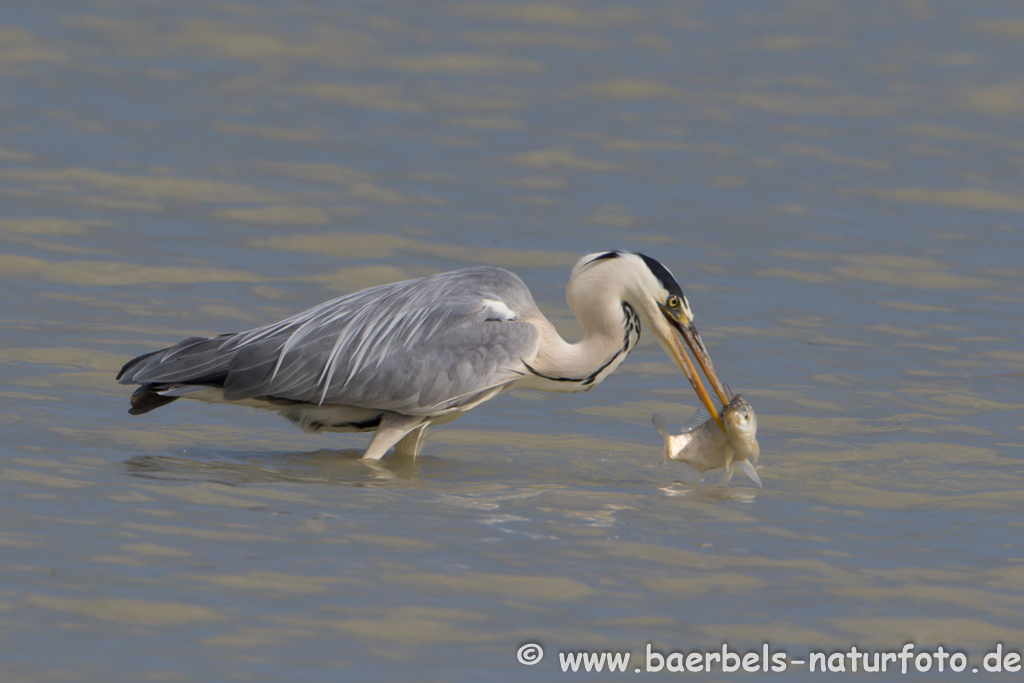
[(659, 424), (748, 469)]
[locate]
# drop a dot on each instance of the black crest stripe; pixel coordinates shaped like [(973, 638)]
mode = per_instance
[(602, 257), (663, 275)]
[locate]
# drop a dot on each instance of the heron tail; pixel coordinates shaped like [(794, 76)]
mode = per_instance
[(193, 364)]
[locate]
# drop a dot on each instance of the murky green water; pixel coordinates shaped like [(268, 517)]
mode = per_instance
[(836, 186)]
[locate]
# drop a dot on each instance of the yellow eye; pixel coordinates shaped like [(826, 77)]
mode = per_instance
[(673, 302)]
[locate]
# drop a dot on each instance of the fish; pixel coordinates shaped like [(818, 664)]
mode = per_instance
[(706, 447)]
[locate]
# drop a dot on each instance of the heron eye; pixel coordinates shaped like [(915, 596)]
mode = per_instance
[(673, 302)]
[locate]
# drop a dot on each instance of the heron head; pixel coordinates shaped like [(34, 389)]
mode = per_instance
[(652, 291)]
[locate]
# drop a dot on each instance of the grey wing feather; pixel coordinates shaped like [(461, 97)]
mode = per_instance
[(414, 347)]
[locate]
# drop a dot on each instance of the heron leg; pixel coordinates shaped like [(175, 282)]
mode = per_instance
[(412, 442), (393, 429)]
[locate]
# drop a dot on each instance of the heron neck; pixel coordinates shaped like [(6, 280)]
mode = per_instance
[(609, 333)]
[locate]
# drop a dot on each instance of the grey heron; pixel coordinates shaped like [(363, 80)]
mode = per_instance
[(401, 357)]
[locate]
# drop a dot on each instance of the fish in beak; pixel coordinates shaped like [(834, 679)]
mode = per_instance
[(704, 447), (678, 353)]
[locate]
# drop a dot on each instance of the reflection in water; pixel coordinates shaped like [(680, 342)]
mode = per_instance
[(345, 468), (709, 493)]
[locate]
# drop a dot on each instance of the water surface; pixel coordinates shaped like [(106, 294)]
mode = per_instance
[(835, 185)]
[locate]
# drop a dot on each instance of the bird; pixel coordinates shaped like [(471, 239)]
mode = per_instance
[(400, 358)]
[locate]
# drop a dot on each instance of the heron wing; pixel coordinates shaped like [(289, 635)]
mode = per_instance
[(416, 347)]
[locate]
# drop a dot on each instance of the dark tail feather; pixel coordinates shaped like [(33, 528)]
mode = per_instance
[(145, 399), (135, 361), (192, 364)]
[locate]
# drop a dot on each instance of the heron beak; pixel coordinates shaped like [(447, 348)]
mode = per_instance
[(700, 352), (696, 344)]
